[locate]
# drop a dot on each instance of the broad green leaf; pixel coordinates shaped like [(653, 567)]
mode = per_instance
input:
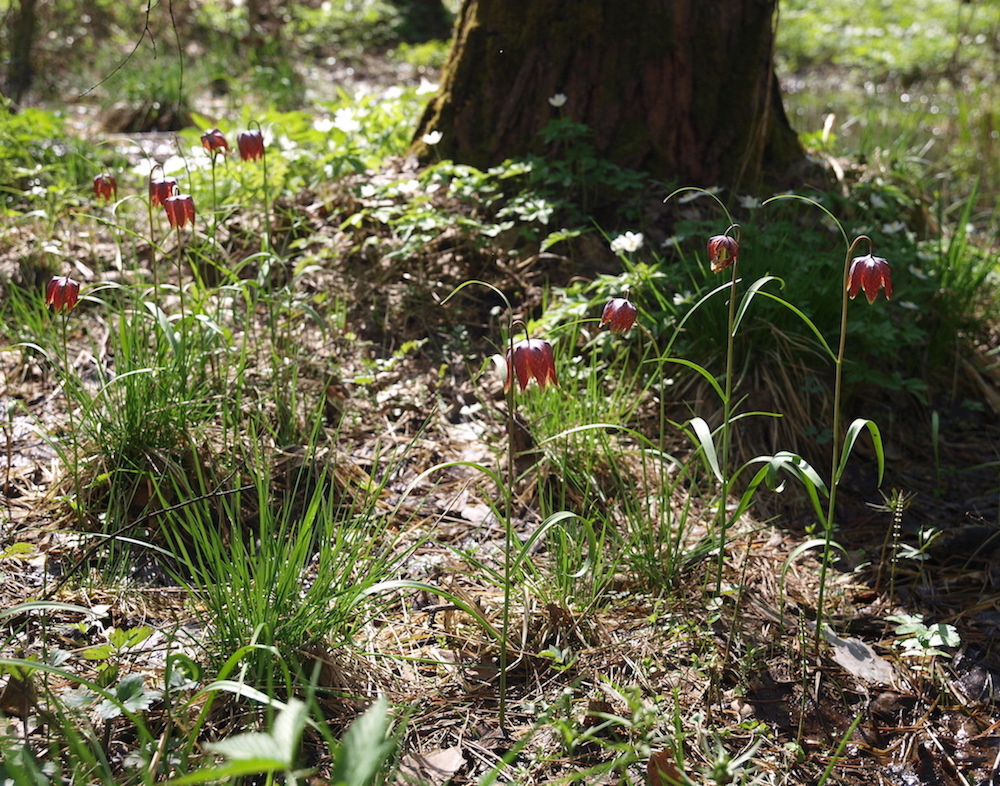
[(276, 750), (364, 748)]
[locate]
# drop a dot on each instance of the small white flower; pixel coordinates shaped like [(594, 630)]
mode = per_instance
[(344, 120), (426, 87), (323, 124), (893, 228), (558, 100), (408, 186), (877, 201), (748, 202), (627, 243), (691, 196), (432, 138)]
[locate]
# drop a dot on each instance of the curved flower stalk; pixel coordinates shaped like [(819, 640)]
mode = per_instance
[(180, 212)]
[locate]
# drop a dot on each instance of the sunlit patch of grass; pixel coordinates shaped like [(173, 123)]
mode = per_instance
[(905, 83)]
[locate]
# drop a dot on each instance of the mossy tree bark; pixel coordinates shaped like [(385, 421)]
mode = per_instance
[(682, 89)]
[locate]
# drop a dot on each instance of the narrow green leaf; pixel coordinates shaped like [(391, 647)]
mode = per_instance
[(853, 432), (703, 436), (748, 297)]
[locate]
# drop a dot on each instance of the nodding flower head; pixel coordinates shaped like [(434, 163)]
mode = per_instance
[(179, 209), (105, 187), (62, 293), (723, 251), (251, 145), (531, 358), (162, 189), (619, 315), (213, 141), (869, 273)]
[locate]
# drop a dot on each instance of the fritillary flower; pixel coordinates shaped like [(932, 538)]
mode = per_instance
[(214, 141), (179, 209), (869, 273), (619, 315), (531, 359), (162, 189), (105, 187), (251, 145), (723, 251), (62, 293)]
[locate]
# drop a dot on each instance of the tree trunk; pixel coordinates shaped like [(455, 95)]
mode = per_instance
[(21, 40), (681, 89)]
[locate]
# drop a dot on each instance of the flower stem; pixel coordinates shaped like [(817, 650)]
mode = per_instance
[(67, 371), (508, 502), (835, 440), (727, 412), (181, 325)]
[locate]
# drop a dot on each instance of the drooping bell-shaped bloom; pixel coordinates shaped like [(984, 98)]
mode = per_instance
[(251, 145), (213, 141), (179, 209), (619, 315), (869, 273), (161, 189), (723, 251), (105, 187), (532, 358), (62, 293)]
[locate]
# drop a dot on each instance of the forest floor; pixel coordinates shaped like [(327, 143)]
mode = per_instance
[(736, 678)]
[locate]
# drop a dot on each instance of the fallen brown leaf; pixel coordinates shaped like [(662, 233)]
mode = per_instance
[(434, 768)]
